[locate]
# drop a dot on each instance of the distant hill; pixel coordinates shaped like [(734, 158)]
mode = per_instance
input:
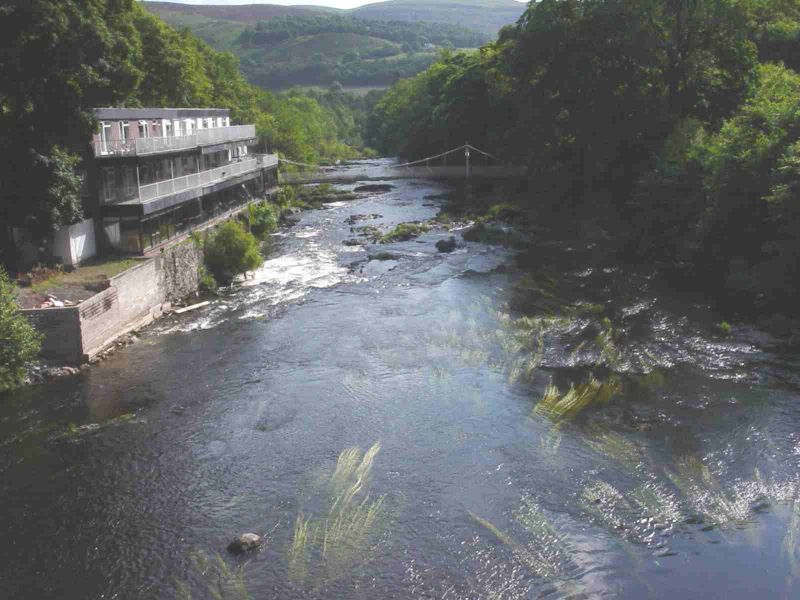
[(283, 46), (246, 13), (486, 16)]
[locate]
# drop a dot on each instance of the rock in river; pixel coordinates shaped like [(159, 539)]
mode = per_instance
[(374, 187), (245, 543), (447, 245)]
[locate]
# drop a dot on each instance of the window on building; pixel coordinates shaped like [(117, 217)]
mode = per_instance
[(199, 124), (210, 122), (189, 126), (166, 127), (144, 130), (220, 122), (178, 131), (227, 121), (131, 190), (124, 130), (105, 136), (108, 184)]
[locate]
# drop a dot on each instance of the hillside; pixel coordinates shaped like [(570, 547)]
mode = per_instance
[(486, 16), (245, 13), (279, 48)]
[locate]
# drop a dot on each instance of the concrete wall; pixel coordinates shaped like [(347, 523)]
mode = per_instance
[(134, 298), (75, 243)]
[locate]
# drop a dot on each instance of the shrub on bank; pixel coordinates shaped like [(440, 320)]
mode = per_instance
[(19, 341), (230, 251), (263, 218)]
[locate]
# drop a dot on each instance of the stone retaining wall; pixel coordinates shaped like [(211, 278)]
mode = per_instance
[(132, 299)]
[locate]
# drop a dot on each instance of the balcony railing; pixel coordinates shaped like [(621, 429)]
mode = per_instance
[(172, 186), (156, 145)]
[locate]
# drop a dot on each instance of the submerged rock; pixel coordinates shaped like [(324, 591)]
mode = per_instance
[(353, 219), (245, 543), (447, 245), (353, 242), (376, 187), (384, 256)]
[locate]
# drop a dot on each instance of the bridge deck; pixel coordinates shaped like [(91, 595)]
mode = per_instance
[(384, 173)]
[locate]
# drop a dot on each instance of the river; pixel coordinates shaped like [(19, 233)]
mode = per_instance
[(375, 420)]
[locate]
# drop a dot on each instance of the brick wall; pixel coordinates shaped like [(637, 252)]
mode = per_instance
[(62, 332), (74, 334)]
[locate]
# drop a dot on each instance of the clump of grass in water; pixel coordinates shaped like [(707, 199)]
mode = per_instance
[(607, 504), (220, 581), (578, 398), (630, 455), (696, 482), (533, 556), (346, 535), (403, 232), (606, 340)]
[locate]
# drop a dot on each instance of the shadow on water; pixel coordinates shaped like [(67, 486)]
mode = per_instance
[(551, 424)]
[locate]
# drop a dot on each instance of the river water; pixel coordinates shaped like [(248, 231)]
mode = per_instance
[(129, 480)]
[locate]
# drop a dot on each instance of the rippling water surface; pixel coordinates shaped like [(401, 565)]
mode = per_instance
[(377, 422)]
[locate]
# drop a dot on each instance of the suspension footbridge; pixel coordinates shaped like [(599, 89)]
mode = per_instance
[(424, 168)]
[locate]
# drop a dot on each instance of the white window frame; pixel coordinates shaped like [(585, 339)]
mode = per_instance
[(124, 130), (105, 134), (200, 124), (166, 128), (144, 128)]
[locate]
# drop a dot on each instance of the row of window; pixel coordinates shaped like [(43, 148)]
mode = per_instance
[(121, 182), (161, 128)]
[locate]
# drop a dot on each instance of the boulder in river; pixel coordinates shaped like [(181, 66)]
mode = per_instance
[(245, 543), (353, 242), (447, 245), (374, 187)]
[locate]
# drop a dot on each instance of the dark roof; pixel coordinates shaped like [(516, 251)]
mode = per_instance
[(114, 114)]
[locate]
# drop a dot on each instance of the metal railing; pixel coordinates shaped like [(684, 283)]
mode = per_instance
[(156, 145), (186, 182)]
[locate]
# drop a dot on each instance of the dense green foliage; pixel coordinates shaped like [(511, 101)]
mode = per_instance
[(320, 49), (230, 251), (263, 218), (57, 59), (62, 59), (19, 341), (654, 115)]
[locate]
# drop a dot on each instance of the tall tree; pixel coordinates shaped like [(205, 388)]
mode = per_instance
[(57, 61)]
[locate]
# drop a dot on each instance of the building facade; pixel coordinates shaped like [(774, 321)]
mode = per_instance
[(158, 173)]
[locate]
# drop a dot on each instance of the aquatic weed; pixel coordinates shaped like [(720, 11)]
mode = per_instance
[(219, 581), (345, 535)]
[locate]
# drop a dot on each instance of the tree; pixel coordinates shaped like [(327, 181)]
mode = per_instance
[(19, 341), (59, 59), (231, 251)]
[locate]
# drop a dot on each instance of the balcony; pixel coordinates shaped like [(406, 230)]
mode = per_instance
[(158, 145), (187, 182)]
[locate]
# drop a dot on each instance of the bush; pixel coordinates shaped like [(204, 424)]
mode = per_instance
[(231, 251), (263, 218), (19, 341)]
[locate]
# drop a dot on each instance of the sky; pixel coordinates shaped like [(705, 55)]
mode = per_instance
[(334, 3)]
